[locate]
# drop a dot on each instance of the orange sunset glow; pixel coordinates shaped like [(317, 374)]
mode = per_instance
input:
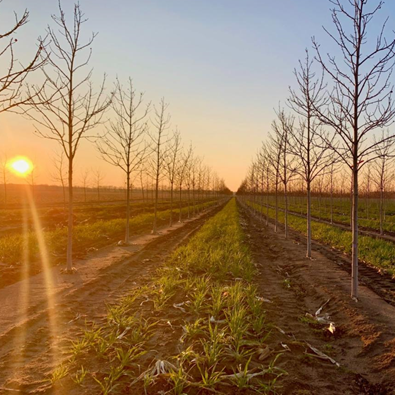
[(20, 166), (197, 197)]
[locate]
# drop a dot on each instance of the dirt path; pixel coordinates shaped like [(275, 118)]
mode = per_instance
[(33, 339), (364, 340)]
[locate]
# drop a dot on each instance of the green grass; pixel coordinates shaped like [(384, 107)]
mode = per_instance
[(91, 234), (207, 284), (375, 252), (368, 211)]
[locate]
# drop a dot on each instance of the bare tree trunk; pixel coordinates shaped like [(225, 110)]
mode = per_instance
[(332, 195), (127, 230), (276, 202), (171, 203), (354, 270), (381, 210), (285, 210), (70, 217), (180, 205), (308, 252), (189, 203), (5, 187), (154, 228)]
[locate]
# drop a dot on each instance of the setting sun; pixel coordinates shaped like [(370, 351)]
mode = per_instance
[(21, 166)]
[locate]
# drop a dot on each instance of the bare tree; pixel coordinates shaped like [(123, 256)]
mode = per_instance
[(158, 139), (98, 178), (381, 169), (283, 129), (12, 83), (170, 166), (181, 175), (60, 174), (196, 165), (307, 142), (85, 181), (332, 172), (268, 173), (361, 99), (13, 94), (68, 108), (189, 179), (123, 145), (275, 157), (32, 180), (141, 176), (367, 187), (4, 175)]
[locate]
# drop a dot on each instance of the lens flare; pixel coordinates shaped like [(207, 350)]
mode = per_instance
[(20, 166)]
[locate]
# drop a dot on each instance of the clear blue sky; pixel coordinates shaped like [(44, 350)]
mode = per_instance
[(223, 65)]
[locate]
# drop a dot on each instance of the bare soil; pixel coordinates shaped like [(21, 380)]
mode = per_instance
[(364, 339), (363, 344), (11, 273), (38, 322)]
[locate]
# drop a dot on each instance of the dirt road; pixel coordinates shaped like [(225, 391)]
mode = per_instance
[(41, 315), (363, 343)]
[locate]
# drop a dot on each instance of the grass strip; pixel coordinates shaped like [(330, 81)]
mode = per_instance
[(199, 326), (94, 234), (375, 252)]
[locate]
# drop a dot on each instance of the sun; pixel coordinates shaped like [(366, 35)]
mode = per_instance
[(21, 166)]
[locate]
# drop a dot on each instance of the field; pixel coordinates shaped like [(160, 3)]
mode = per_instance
[(219, 304), (96, 224), (374, 249), (141, 250), (338, 210)]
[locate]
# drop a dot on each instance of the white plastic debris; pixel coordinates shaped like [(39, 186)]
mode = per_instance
[(214, 321), (178, 306), (320, 354), (261, 299), (332, 328)]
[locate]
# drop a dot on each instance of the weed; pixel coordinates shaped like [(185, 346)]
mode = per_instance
[(79, 376), (59, 373)]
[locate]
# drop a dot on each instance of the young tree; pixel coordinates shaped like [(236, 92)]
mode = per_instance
[(158, 139), (361, 99), (307, 143), (268, 172), (141, 177), (4, 175), (13, 76), (60, 174), (68, 108), (274, 156), (170, 166), (85, 181), (286, 169), (367, 188), (123, 145), (382, 167), (181, 175), (12, 83), (98, 178), (332, 172), (189, 179)]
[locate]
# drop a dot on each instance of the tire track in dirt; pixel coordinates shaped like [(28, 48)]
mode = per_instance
[(24, 364), (363, 343)]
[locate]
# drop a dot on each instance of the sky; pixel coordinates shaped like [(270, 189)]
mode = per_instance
[(222, 65)]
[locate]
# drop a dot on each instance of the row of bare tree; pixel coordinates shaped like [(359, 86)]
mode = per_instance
[(66, 108), (337, 115)]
